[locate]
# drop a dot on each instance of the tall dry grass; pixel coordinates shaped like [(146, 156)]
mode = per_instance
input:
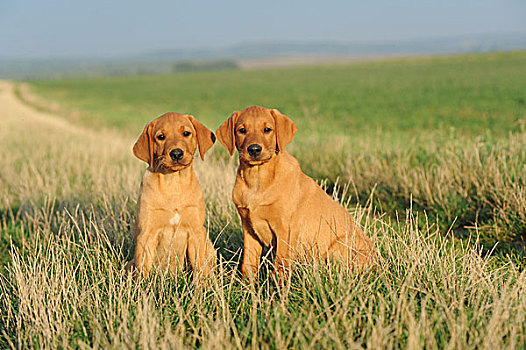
[(65, 287), (465, 182)]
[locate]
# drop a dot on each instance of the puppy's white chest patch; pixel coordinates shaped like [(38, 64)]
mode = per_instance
[(176, 219)]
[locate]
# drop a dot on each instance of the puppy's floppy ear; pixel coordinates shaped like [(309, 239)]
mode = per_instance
[(226, 133), (285, 129), (205, 137), (143, 148)]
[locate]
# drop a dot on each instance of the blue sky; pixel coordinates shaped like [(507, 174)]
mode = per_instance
[(75, 28)]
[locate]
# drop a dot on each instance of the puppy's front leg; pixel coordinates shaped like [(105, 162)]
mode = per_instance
[(252, 249), (251, 255), (282, 245), (201, 253), (145, 251)]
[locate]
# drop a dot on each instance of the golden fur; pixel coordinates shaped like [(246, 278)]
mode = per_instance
[(169, 229), (280, 206)]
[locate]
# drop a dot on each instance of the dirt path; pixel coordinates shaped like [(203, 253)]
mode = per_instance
[(12, 110), (43, 155)]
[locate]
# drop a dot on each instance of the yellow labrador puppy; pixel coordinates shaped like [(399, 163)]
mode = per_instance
[(280, 206), (169, 228)]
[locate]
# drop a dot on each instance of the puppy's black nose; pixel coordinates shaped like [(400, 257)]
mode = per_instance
[(254, 150), (176, 154)]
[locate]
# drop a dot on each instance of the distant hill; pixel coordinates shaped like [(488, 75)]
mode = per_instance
[(166, 61), (458, 44)]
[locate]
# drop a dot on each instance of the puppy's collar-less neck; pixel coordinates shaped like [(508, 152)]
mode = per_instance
[(173, 184), (258, 174), (174, 175)]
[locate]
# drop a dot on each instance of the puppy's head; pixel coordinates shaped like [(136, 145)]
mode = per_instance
[(258, 133), (169, 142)]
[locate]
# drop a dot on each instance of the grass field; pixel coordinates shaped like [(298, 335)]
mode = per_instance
[(446, 134), (428, 154)]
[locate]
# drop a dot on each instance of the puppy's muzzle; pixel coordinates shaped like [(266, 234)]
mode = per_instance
[(176, 154), (254, 150)]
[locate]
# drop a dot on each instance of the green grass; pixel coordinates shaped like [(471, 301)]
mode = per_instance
[(394, 126), (473, 94), (418, 150)]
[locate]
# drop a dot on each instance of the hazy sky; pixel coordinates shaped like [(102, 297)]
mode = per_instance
[(96, 27)]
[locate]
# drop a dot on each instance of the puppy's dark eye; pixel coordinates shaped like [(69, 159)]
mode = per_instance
[(161, 137), (242, 131), (267, 130), (186, 133)]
